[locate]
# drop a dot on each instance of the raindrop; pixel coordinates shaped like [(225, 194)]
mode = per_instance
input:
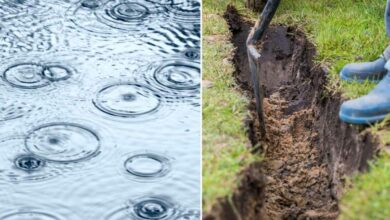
[(91, 4), (150, 208), (192, 54), (154, 208), (21, 166), (29, 163)]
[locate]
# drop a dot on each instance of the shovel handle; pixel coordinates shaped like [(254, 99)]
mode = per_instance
[(253, 57)]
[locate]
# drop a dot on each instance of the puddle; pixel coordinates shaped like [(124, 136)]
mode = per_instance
[(99, 109), (307, 151)]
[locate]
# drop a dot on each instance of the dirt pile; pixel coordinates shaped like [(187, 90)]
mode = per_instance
[(307, 151)]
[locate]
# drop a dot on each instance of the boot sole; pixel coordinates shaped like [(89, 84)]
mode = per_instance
[(361, 120), (347, 79)]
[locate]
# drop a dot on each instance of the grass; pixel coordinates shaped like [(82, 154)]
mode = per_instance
[(225, 143), (343, 32), (370, 196)]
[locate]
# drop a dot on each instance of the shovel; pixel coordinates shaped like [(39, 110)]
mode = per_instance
[(253, 56)]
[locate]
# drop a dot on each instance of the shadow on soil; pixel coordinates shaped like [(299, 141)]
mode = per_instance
[(307, 151)]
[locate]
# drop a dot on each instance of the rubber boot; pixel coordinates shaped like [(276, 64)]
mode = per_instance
[(370, 108), (359, 72)]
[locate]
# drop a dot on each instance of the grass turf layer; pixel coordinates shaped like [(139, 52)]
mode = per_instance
[(225, 143)]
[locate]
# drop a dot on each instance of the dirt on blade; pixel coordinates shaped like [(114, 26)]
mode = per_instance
[(307, 151)]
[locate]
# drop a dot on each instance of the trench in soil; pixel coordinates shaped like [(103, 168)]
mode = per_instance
[(308, 152)]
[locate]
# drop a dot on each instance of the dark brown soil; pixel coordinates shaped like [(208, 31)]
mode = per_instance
[(307, 150)]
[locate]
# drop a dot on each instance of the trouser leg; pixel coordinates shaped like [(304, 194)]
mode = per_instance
[(387, 18)]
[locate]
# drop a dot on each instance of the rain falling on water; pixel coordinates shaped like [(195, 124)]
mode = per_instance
[(99, 109)]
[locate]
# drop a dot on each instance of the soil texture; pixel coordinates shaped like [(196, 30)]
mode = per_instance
[(307, 150)]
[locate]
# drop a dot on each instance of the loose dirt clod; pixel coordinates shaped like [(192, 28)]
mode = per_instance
[(307, 150)]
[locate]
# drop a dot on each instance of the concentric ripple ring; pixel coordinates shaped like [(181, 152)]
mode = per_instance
[(187, 11), (63, 142), (29, 216), (127, 12), (154, 208), (178, 75), (147, 165), (33, 76), (26, 75), (127, 100)]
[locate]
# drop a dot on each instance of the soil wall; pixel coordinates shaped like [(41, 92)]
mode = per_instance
[(307, 150)]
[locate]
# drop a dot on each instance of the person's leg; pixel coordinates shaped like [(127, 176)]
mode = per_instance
[(387, 18), (375, 105), (373, 71), (370, 108), (369, 70)]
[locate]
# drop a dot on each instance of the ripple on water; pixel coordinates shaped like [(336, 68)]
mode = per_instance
[(189, 215), (63, 142), (13, 8), (34, 27), (20, 166), (29, 163), (192, 53), (127, 100), (179, 78), (34, 75), (91, 4), (178, 75), (29, 215), (39, 41), (161, 2), (13, 109), (170, 38), (118, 15), (147, 166), (187, 11), (153, 207)]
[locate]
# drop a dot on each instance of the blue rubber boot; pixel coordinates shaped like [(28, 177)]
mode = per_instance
[(370, 108), (359, 72)]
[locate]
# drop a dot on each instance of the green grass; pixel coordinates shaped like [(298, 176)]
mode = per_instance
[(343, 32), (370, 196), (225, 144)]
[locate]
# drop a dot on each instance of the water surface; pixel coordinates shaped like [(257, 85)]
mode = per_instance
[(99, 109)]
